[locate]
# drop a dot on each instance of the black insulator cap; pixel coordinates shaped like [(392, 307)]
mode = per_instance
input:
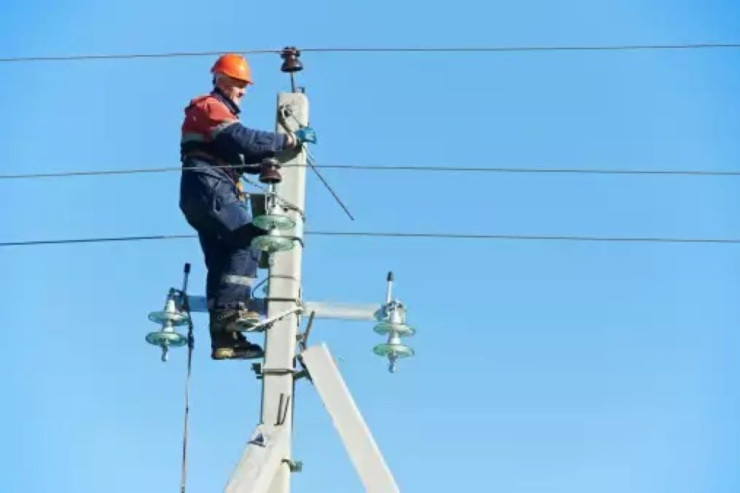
[(271, 161), (291, 63), (270, 175), (390, 276)]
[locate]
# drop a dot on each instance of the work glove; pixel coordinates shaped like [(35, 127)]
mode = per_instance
[(304, 134)]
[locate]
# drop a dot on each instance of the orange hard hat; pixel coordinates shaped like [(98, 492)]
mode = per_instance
[(233, 65)]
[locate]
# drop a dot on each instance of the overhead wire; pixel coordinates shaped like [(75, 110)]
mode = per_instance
[(484, 236), (623, 47), (420, 235), (380, 49), (493, 169), (419, 168), (470, 49), (124, 56), (530, 48)]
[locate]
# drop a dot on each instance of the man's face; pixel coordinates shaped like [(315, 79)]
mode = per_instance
[(233, 88)]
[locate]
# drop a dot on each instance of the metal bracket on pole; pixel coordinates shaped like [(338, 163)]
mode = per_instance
[(266, 324), (323, 309), (260, 371)]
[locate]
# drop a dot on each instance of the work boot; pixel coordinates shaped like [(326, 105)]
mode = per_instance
[(233, 345), (234, 319), (226, 341)]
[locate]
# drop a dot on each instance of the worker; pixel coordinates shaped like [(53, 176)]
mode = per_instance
[(215, 150)]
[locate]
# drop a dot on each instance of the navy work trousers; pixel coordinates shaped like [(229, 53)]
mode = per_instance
[(211, 204)]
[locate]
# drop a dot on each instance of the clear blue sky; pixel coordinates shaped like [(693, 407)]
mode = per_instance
[(541, 366)]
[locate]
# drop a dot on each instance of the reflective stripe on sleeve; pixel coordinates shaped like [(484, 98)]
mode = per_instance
[(239, 280), (221, 126), (192, 137)]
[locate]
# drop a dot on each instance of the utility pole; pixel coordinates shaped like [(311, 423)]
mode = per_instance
[(284, 292), (267, 463)]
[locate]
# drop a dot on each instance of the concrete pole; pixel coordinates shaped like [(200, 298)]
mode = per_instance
[(285, 285)]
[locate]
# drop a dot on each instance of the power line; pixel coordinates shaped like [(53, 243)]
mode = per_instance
[(65, 174), (377, 234), (422, 168), (494, 49), (468, 49), (469, 236), (95, 240), (126, 56), (490, 169)]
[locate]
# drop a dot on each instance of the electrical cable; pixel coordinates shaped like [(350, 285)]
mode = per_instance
[(126, 56), (311, 160), (473, 236), (286, 112), (379, 234), (378, 49), (191, 346), (489, 169), (96, 240), (499, 49), (420, 168)]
